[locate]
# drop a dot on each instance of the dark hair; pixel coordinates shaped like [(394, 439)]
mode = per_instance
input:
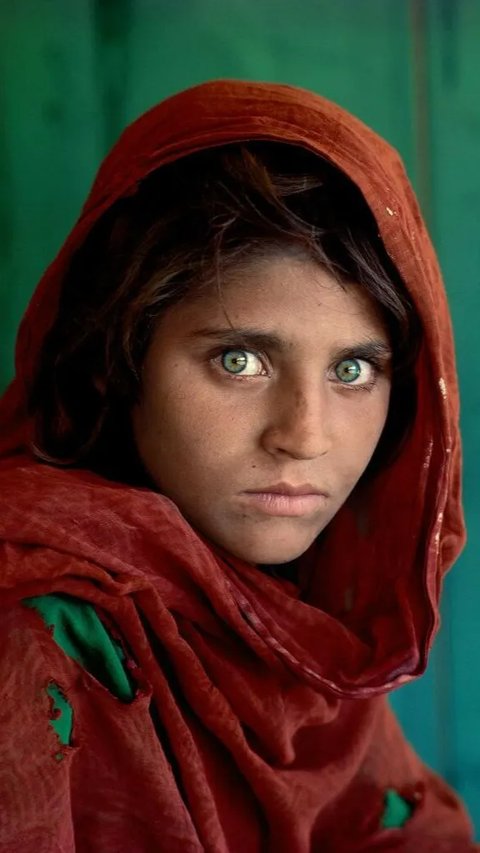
[(188, 223)]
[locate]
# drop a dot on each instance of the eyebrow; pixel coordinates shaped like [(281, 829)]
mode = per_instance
[(262, 340)]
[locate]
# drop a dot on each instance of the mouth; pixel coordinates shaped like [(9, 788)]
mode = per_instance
[(286, 505), (285, 488)]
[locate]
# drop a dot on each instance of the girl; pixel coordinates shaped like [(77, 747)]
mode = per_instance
[(231, 488)]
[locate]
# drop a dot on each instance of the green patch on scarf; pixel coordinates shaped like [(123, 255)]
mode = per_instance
[(80, 633), (397, 810), (62, 721)]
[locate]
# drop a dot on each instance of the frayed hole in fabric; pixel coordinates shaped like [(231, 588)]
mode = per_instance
[(61, 716), (397, 810)]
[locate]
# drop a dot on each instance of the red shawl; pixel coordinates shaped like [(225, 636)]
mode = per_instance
[(273, 732)]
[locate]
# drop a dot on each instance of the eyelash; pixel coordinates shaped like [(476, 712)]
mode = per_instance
[(376, 364)]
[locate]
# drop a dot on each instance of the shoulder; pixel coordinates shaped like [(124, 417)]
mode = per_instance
[(57, 632)]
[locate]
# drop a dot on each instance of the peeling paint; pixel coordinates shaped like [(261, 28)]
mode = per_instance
[(443, 387)]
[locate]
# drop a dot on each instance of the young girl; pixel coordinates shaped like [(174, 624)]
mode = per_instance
[(230, 490)]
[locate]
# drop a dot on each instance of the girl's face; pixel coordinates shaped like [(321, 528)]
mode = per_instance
[(295, 399)]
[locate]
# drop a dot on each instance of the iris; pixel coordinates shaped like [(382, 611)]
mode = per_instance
[(348, 370), (234, 361)]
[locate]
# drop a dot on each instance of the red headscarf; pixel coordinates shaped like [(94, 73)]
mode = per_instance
[(253, 686)]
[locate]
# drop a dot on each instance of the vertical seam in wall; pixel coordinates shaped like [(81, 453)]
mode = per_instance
[(420, 24), (7, 282), (112, 24)]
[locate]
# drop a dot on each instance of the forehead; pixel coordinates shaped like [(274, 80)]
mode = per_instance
[(295, 296)]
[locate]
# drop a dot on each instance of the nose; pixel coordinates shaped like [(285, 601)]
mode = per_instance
[(299, 424)]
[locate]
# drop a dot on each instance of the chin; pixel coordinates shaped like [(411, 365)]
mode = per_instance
[(269, 555)]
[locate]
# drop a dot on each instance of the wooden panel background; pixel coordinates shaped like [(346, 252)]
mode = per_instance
[(73, 74)]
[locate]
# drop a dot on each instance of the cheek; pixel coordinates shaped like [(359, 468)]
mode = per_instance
[(360, 431), (217, 412), (184, 424), (374, 427), (373, 421), (375, 418)]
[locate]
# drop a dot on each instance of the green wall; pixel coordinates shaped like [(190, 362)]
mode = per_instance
[(74, 72)]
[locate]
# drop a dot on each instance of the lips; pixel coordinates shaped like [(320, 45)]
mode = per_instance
[(283, 504), (288, 489)]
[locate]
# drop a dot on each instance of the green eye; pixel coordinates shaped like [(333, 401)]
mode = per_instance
[(242, 361), (234, 361), (348, 370)]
